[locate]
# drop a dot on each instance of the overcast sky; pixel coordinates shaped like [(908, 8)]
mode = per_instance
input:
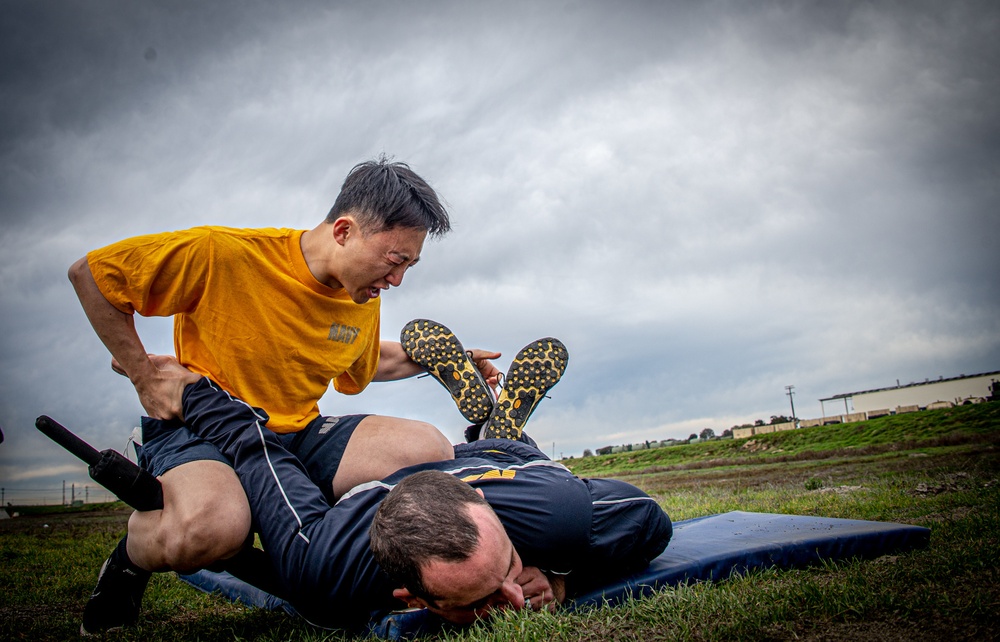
[(705, 201)]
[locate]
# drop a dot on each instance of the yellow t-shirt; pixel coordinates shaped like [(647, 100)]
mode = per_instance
[(248, 314)]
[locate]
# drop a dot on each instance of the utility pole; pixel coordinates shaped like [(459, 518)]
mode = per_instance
[(791, 398), (64, 493)]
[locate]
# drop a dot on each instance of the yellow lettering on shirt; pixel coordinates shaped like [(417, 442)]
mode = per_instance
[(491, 474), (343, 333)]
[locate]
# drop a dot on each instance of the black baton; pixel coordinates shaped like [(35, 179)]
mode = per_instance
[(109, 468)]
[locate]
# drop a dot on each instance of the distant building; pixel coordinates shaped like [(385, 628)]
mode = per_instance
[(956, 390)]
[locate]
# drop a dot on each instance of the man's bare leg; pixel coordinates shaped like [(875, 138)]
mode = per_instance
[(382, 445), (205, 518)]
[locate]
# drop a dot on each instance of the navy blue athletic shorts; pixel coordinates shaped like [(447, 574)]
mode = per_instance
[(319, 446)]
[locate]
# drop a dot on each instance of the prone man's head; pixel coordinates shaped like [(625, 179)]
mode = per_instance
[(443, 543), (382, 195)]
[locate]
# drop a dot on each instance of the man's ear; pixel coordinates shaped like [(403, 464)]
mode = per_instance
[(342, 228), (411, 600), (480, 491)]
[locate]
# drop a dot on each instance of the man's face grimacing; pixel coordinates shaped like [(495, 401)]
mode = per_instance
[(485, 581), (374, 261)]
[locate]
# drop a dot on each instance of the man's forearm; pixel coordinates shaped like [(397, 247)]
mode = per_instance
[(394, 364), (115, 328)]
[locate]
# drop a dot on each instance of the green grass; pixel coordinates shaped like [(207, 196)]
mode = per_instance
[(939, 469), (964, 424)]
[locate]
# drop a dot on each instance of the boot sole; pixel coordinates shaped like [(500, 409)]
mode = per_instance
[(534, 371), (436, 348)]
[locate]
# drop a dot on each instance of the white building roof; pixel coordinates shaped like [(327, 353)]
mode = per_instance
[(847, 395)]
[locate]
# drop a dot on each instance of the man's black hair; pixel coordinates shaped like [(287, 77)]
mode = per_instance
[(384, 195)]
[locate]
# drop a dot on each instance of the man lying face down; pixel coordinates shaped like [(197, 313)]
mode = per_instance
[(500, 526), (441, 540)]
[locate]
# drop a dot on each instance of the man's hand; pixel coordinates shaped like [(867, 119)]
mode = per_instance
[(489, 371), (394, 364), (161, 386), (543, 591)]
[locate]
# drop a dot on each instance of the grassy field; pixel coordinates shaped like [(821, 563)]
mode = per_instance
[(937, 469)]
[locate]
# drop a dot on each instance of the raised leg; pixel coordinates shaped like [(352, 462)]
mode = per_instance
[(382, 445)]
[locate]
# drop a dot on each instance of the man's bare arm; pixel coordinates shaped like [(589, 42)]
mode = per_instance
[(157, 389), (394, 364)]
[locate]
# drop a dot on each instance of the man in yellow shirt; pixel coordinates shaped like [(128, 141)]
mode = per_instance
[(273, 316)]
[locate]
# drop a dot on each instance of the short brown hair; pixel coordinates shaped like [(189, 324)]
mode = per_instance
[(424, 518)]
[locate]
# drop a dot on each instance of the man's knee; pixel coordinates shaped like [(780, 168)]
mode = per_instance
[(428, 444), (382, 445), (401, 442), (200, 537)]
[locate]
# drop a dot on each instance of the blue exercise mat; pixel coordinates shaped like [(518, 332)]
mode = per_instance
[(703, 549), (715, 547)]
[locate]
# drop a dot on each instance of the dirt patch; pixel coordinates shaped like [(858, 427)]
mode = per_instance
[(950, 483)]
